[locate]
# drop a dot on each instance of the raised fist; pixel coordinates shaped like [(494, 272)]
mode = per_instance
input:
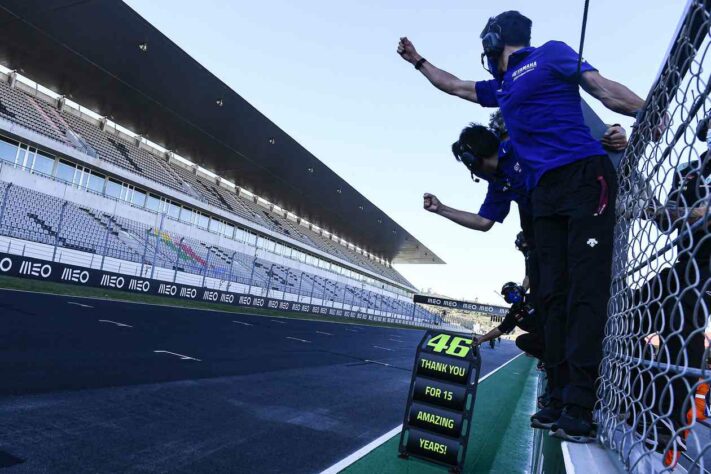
[(407, 50), (431, 203)]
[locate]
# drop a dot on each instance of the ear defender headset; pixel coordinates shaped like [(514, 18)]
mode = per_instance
[(463, 153), (493, 43)]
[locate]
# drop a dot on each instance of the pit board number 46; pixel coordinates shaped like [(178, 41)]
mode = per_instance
[(451, 345)]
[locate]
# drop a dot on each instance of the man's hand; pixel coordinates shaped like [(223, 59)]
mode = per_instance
[(614, 139), (431, 203), (476, 342), (442, 80), (698, 213), (661, 128), (407, 51)]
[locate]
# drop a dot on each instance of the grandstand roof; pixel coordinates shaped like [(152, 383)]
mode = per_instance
[(103, 55)]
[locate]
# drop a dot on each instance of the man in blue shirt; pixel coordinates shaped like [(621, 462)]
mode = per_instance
[(488, 158), (574, 190)]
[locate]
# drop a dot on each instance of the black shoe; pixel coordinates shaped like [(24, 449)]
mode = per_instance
[(575, 424), (543, 401), (545, 417)]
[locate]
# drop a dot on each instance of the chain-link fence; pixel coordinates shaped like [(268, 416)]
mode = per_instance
[(655, 372)]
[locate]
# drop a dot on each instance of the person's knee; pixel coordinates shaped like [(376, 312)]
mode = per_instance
[(531, 343)]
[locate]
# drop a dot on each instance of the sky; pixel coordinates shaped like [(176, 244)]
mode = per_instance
[(327, 73)]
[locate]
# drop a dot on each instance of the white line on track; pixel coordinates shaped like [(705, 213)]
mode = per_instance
[(242, 322), (351, 330), (396, 340), (347, 461), (182, 356), (383, 348), (297, 339), (79, 304), (324, 333), (114, 322), (376, 362), (277, 321)]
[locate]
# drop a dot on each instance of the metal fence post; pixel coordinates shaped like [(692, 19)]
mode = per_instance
[(251, 276), (298, 292), (269, 282), (155, 248), (177, 259), (313, 285), (232, 265), (4, 203), (143, 257), (207, 265), (59, 229), (106, 245), (345, 295), (323, 293)]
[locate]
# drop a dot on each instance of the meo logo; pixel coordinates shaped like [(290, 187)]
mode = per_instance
[(35, 269)]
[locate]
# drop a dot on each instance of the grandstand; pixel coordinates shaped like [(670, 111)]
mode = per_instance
[(79, 188)]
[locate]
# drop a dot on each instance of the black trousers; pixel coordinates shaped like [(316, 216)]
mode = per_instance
[(574, 249), (531, 343)]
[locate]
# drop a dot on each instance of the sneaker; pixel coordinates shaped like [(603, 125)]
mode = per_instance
[(575, 424), (545, 417)]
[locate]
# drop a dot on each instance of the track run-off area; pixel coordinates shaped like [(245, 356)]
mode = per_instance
[(90, 385)]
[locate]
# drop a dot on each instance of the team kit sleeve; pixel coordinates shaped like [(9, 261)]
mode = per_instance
[(564, 60), (486, 93), (496, 205), (508, 324)]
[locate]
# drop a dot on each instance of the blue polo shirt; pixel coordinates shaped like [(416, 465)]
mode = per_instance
[(539, 98), (509, 184)]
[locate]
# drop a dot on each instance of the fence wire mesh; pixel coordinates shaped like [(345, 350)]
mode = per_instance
[(655, 371)]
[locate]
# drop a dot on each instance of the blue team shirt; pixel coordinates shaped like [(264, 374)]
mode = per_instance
[(539, 98), (509, 184)]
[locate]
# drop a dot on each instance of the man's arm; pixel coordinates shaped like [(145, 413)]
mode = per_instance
[(463, 218), (493, 334), (442, 80), (613, 95)]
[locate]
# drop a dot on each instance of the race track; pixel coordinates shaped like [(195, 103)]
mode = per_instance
[(98, 386)]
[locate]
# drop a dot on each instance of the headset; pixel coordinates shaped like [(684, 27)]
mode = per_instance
[(493, 44), (463, 152)]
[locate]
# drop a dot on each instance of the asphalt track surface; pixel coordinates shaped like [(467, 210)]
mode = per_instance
[(82, 388)]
